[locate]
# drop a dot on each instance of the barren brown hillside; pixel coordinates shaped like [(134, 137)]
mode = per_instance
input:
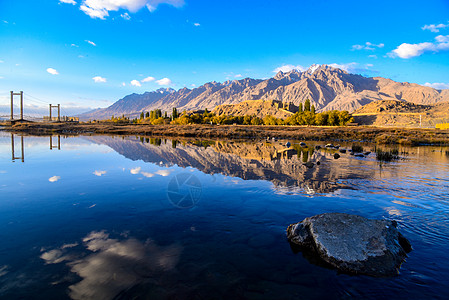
[(401, 113)]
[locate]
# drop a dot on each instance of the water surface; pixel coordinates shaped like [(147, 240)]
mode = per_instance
[(101, 217)]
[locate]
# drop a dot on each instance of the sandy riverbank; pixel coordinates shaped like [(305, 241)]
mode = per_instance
[(378, 135)]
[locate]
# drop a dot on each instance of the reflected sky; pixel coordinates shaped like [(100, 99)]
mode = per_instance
[(112, 265), (95, 220)]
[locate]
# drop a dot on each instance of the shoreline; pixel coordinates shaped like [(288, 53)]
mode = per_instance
[(378, 135)]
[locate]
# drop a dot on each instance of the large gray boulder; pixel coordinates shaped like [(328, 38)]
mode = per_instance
[(351, 243)]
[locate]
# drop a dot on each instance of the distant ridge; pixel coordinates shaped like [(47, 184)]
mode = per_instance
[(328, 88)]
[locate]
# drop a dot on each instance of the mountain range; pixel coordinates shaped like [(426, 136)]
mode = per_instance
[(327, 87)]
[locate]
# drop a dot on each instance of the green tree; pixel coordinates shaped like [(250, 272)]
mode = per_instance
[(308, 118), (247, 120), (332, 119), (256, 121), (141, 115), (344, 117), (300, 108), (321, 119), (307, 105), (147, 115), (313, 109), (269, 120)]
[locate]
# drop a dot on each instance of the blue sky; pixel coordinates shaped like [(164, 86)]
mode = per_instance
[(90, 53)]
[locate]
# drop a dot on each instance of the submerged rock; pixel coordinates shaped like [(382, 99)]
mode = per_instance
[(351, 243), (309, 164), (336, 155)]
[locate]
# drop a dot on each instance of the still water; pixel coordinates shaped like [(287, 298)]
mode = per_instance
[(102, 217)]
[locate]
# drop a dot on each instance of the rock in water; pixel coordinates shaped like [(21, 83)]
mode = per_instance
[(352, 244)]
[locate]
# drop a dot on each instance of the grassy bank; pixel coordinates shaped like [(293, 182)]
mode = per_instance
[(377, 135)]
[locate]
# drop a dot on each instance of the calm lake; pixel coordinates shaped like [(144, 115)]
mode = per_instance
[(103, 217)]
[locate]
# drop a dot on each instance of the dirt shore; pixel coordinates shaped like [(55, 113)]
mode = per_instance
[(378, 135)]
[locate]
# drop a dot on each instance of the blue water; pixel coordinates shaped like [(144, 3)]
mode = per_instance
[(128, 217)]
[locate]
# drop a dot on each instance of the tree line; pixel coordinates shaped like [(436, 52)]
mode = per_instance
[(306, 115)]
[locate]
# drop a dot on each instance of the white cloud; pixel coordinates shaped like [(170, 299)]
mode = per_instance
[(164, 81), (99, 79), (54, 178), (355, 68), (148, 175), (406, 50), (411, 50), (126, 16), (100, 8), (1, 77), (288, 68), (1, 61), (135, 83), (52, 71), (99, 173), (148, 79), (94, 13), (238, 76), (196, 24), (153, 4), (373, 56), (442, 38), (123, 84), (347, 67), (68, 1), (367, 46), (434, 28), (437, 85), (135, 171), (90, 42), (74, 45)]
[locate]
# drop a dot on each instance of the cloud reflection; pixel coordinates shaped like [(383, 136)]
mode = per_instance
[(99, 173), (3, 270), (113, 265), (163, 172), (135, 171), (54, 178), (148, 175)]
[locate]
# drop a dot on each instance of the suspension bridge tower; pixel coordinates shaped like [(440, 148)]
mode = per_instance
[(21, 105)]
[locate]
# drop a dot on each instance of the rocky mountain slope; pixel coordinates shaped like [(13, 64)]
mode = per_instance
[(327, 87), (259, 108), (131, 104)]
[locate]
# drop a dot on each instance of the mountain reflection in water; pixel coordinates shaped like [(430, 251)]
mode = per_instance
[(274, 162)]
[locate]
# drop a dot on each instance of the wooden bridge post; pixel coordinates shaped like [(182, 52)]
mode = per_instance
[(12, 105), (21, 105)]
